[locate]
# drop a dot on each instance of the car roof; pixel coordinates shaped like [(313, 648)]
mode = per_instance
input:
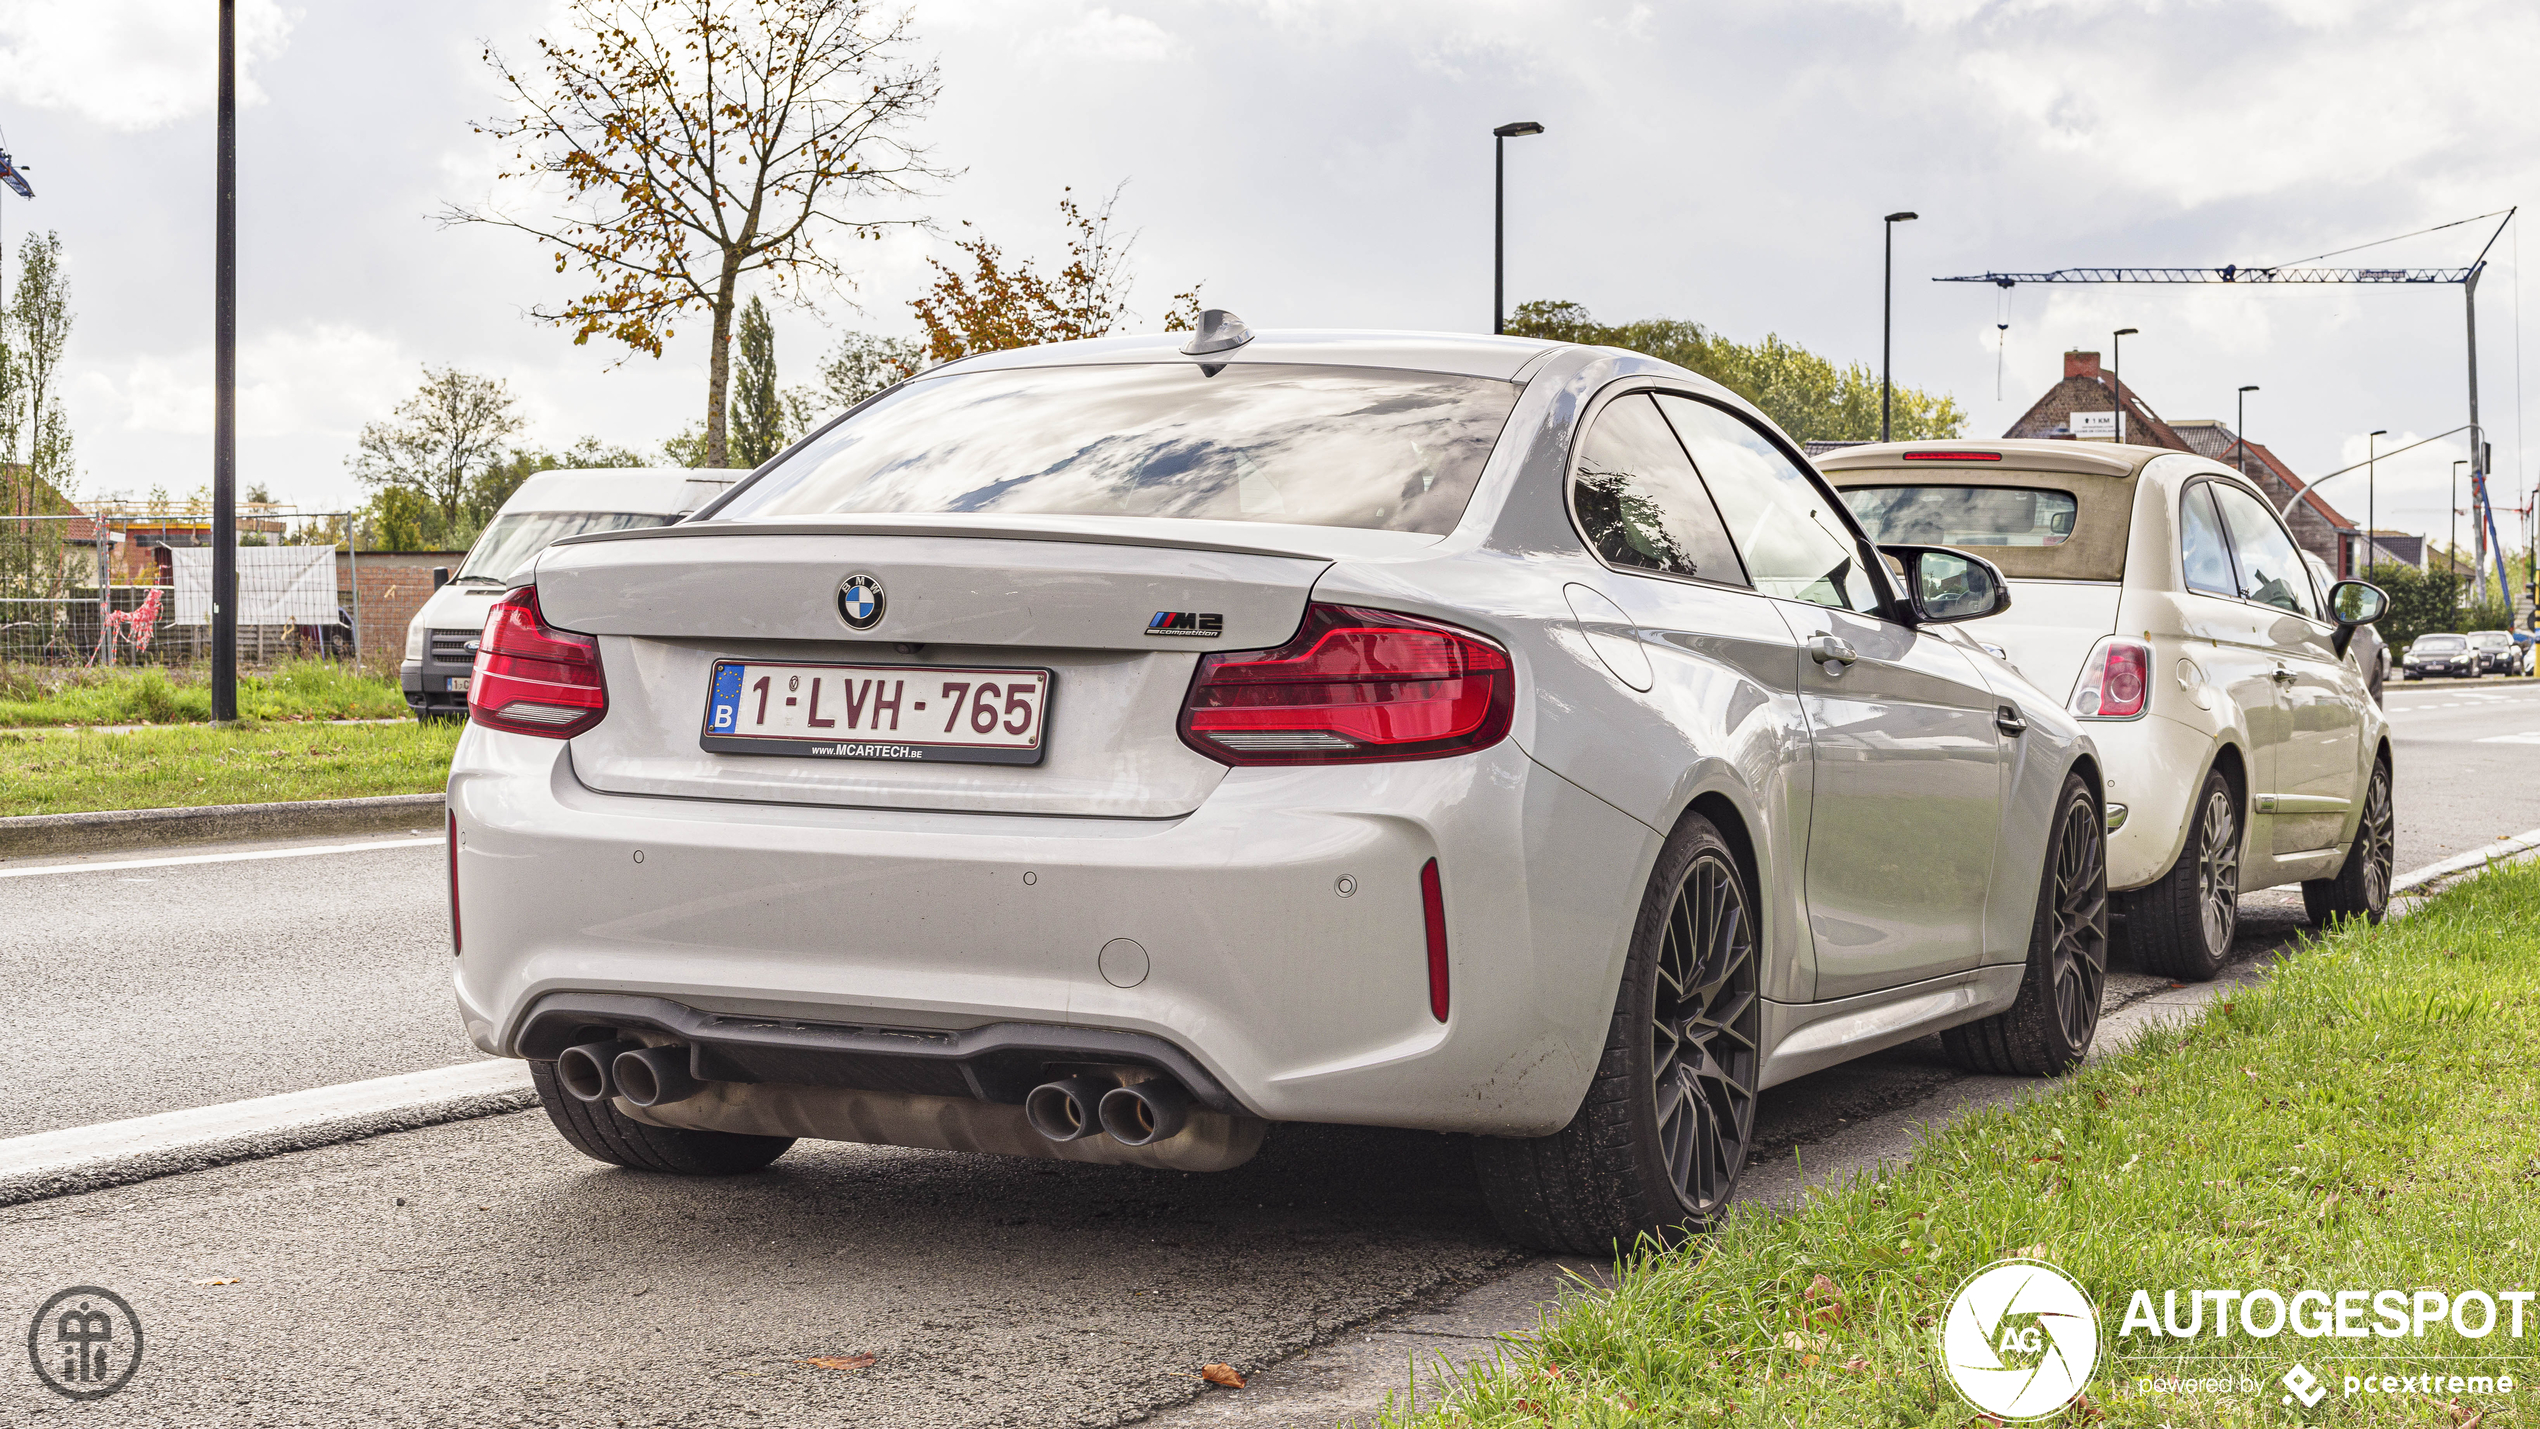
[(1466, 354)]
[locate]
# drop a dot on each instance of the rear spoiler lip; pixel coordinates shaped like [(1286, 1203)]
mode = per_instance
[(1327, 543)]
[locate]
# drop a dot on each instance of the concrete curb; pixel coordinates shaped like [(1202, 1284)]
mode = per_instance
[(2503, 850), (50, 835), (119, 1153)]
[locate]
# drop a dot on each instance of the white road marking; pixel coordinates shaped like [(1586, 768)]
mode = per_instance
[(172, 1131), (2529, 737), (176, 859)]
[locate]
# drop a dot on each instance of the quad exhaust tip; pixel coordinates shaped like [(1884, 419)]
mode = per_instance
[(1068, 1110), (584, 1070), (1144, 1112), (646, 1076)]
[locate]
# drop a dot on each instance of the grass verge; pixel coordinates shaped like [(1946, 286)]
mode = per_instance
[(65, 772), (293, 690), (2361, 1121)]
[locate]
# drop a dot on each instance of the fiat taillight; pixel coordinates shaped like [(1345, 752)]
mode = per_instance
[(1354, 686), (532, 678), (2116, 681)]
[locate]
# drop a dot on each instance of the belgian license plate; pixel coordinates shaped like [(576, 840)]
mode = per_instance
[(962, 715), (459, 683)]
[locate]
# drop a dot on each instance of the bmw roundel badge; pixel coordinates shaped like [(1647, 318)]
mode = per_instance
[(860, 602)]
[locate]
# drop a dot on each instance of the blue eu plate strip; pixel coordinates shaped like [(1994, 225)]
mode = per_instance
[(725, 711)]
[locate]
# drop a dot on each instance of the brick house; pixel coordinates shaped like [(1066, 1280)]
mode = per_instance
[(2317, 527), (393, 585)]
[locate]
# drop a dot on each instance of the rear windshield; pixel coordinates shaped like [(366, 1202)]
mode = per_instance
[(2490, 637), (1315, 446), (1963, 515), (2440, 642), (518, 536)]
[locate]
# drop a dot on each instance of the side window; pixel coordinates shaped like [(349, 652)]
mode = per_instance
[(1792, 537), (1640, 502), (2271, 569), (2202, 551)]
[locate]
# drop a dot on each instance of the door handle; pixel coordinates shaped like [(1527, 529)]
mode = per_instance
[(1831, 649), (2007, 720), (2283, 676)]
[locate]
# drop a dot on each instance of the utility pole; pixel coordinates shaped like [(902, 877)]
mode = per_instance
[(2116, 374), (225, 384), (2372, 493), (1887, 321), (2240, 430), (2452, 547)]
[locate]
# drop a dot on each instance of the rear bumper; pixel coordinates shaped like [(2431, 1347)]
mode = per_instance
[(1300, 1002), (2154, 766)]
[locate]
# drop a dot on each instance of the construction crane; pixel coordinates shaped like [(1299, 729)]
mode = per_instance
[(2483, 525)]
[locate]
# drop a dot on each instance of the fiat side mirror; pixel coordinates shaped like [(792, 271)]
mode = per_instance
[(1943, 585), (2353, 603)]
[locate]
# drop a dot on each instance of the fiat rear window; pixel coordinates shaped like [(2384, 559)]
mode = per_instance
[(1963, 515), (1308, 445)]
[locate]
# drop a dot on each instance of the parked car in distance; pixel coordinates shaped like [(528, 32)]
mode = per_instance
[(2437, 653), (441, 639), (2159, 593), (1107, 750), (2496, 652)]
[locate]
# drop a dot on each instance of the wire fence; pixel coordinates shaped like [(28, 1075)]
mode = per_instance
[(136, 588)]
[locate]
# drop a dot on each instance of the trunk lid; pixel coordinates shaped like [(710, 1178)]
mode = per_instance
[(1072, 598)]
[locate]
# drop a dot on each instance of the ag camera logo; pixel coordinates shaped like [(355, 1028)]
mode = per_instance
[(2020, 1340)]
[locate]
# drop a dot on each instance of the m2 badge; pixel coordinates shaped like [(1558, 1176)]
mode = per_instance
[(1199, 624)]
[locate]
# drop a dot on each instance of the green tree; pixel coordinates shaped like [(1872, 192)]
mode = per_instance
[(686, 144), (861, 365), (758, 408), (495, 485), (1004, 302), (440, 441), (1804, 394), (34, 332)]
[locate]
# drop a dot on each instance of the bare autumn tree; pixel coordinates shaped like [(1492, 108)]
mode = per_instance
[(690, 142), (1003, 302)]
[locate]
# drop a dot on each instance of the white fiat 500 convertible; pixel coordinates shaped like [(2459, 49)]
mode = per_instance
[(1102, 751), (2160, 595)]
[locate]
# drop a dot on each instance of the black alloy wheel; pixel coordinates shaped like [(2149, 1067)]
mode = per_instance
[(2361, 889), (1703, 1034), (2051, 1023), (2079, 900), (1656, 1145)]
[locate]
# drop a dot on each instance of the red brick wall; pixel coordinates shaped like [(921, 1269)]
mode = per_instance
[(394, 585)]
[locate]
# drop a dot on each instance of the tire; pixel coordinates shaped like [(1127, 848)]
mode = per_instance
[(2361, 889), (599, 1131), (1656, 1147), (2181, 925), (2050, 1026)]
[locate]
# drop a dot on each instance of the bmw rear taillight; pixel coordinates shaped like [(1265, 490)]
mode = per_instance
[(532, 678), (1354, 686), (2116, 681)]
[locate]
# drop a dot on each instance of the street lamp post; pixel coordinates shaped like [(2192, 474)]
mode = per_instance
[(2116, 374), (1887, 322), (2372, 521), (2240, 431), (1499, 218), (225, 382)]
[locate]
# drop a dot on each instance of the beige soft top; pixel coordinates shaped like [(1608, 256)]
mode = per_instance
[(2099, 476)]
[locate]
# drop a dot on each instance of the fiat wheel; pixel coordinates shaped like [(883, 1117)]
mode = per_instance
[(2182, 925), (2361, 889)]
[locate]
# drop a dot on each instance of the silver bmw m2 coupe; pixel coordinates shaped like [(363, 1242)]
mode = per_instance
[(1104, 751)]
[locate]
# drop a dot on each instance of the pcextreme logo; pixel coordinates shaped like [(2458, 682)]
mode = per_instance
[(2019, 1340)]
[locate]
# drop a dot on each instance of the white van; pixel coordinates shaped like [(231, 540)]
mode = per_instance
[(441, 641)]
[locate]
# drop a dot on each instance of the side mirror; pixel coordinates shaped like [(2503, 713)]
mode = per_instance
[(1943, 585), (2354, 603)]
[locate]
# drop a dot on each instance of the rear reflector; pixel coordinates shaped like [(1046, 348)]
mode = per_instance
[(1953, 456), (454, 885), (1354, 686), (2116, 681), (532, 678), (1433, 918)]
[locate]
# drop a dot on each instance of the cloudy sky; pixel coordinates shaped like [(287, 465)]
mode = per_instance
[(1327, 163)]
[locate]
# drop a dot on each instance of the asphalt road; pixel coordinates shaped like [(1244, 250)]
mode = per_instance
[(483, 1272)]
